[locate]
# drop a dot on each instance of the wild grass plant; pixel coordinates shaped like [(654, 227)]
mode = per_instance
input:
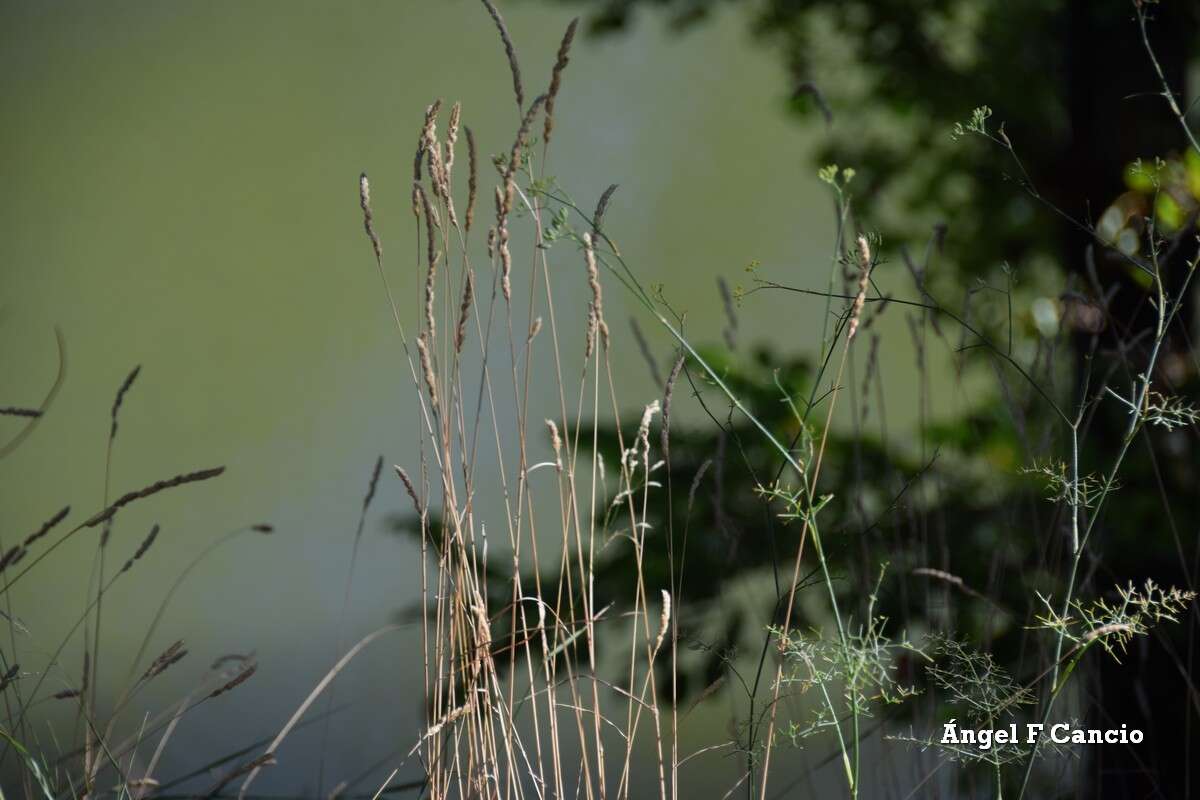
[(559, 628)]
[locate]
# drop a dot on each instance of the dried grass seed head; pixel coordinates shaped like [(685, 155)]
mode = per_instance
[(560, 64), (472, 178), (864, 266), (364, 199), (427, 370), (120, 398), (509, 50), (464, 311)]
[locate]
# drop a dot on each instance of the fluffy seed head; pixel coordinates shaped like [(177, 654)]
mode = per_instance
[(864, 266)]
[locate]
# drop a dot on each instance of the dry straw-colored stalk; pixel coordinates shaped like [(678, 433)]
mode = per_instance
[(560, 64)]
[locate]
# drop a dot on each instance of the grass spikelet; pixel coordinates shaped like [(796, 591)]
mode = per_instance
[(864, 275), (644, 349), (10, 676), (120, 398), (12, 556), (427, 370), (417, 159), (436, 728), (730, 331), (590, 338), (47, 526), (601, 207), (464, 312), (452, 137), (556, 443), (439, 176), (169, 657), (514, 160), (410, 489), (643, 433), (560, 64), (664, 620), (534, 329), (142, 548), (472, 178), (509, 51), (14, 411), (152, 489), (668, 393), (429, 128), (596, 316), (364, 199), (505, 266), (235, 681), (374, 483), (431, 257)]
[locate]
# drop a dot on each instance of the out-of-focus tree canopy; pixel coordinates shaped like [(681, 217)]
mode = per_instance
[(1070, 80)]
